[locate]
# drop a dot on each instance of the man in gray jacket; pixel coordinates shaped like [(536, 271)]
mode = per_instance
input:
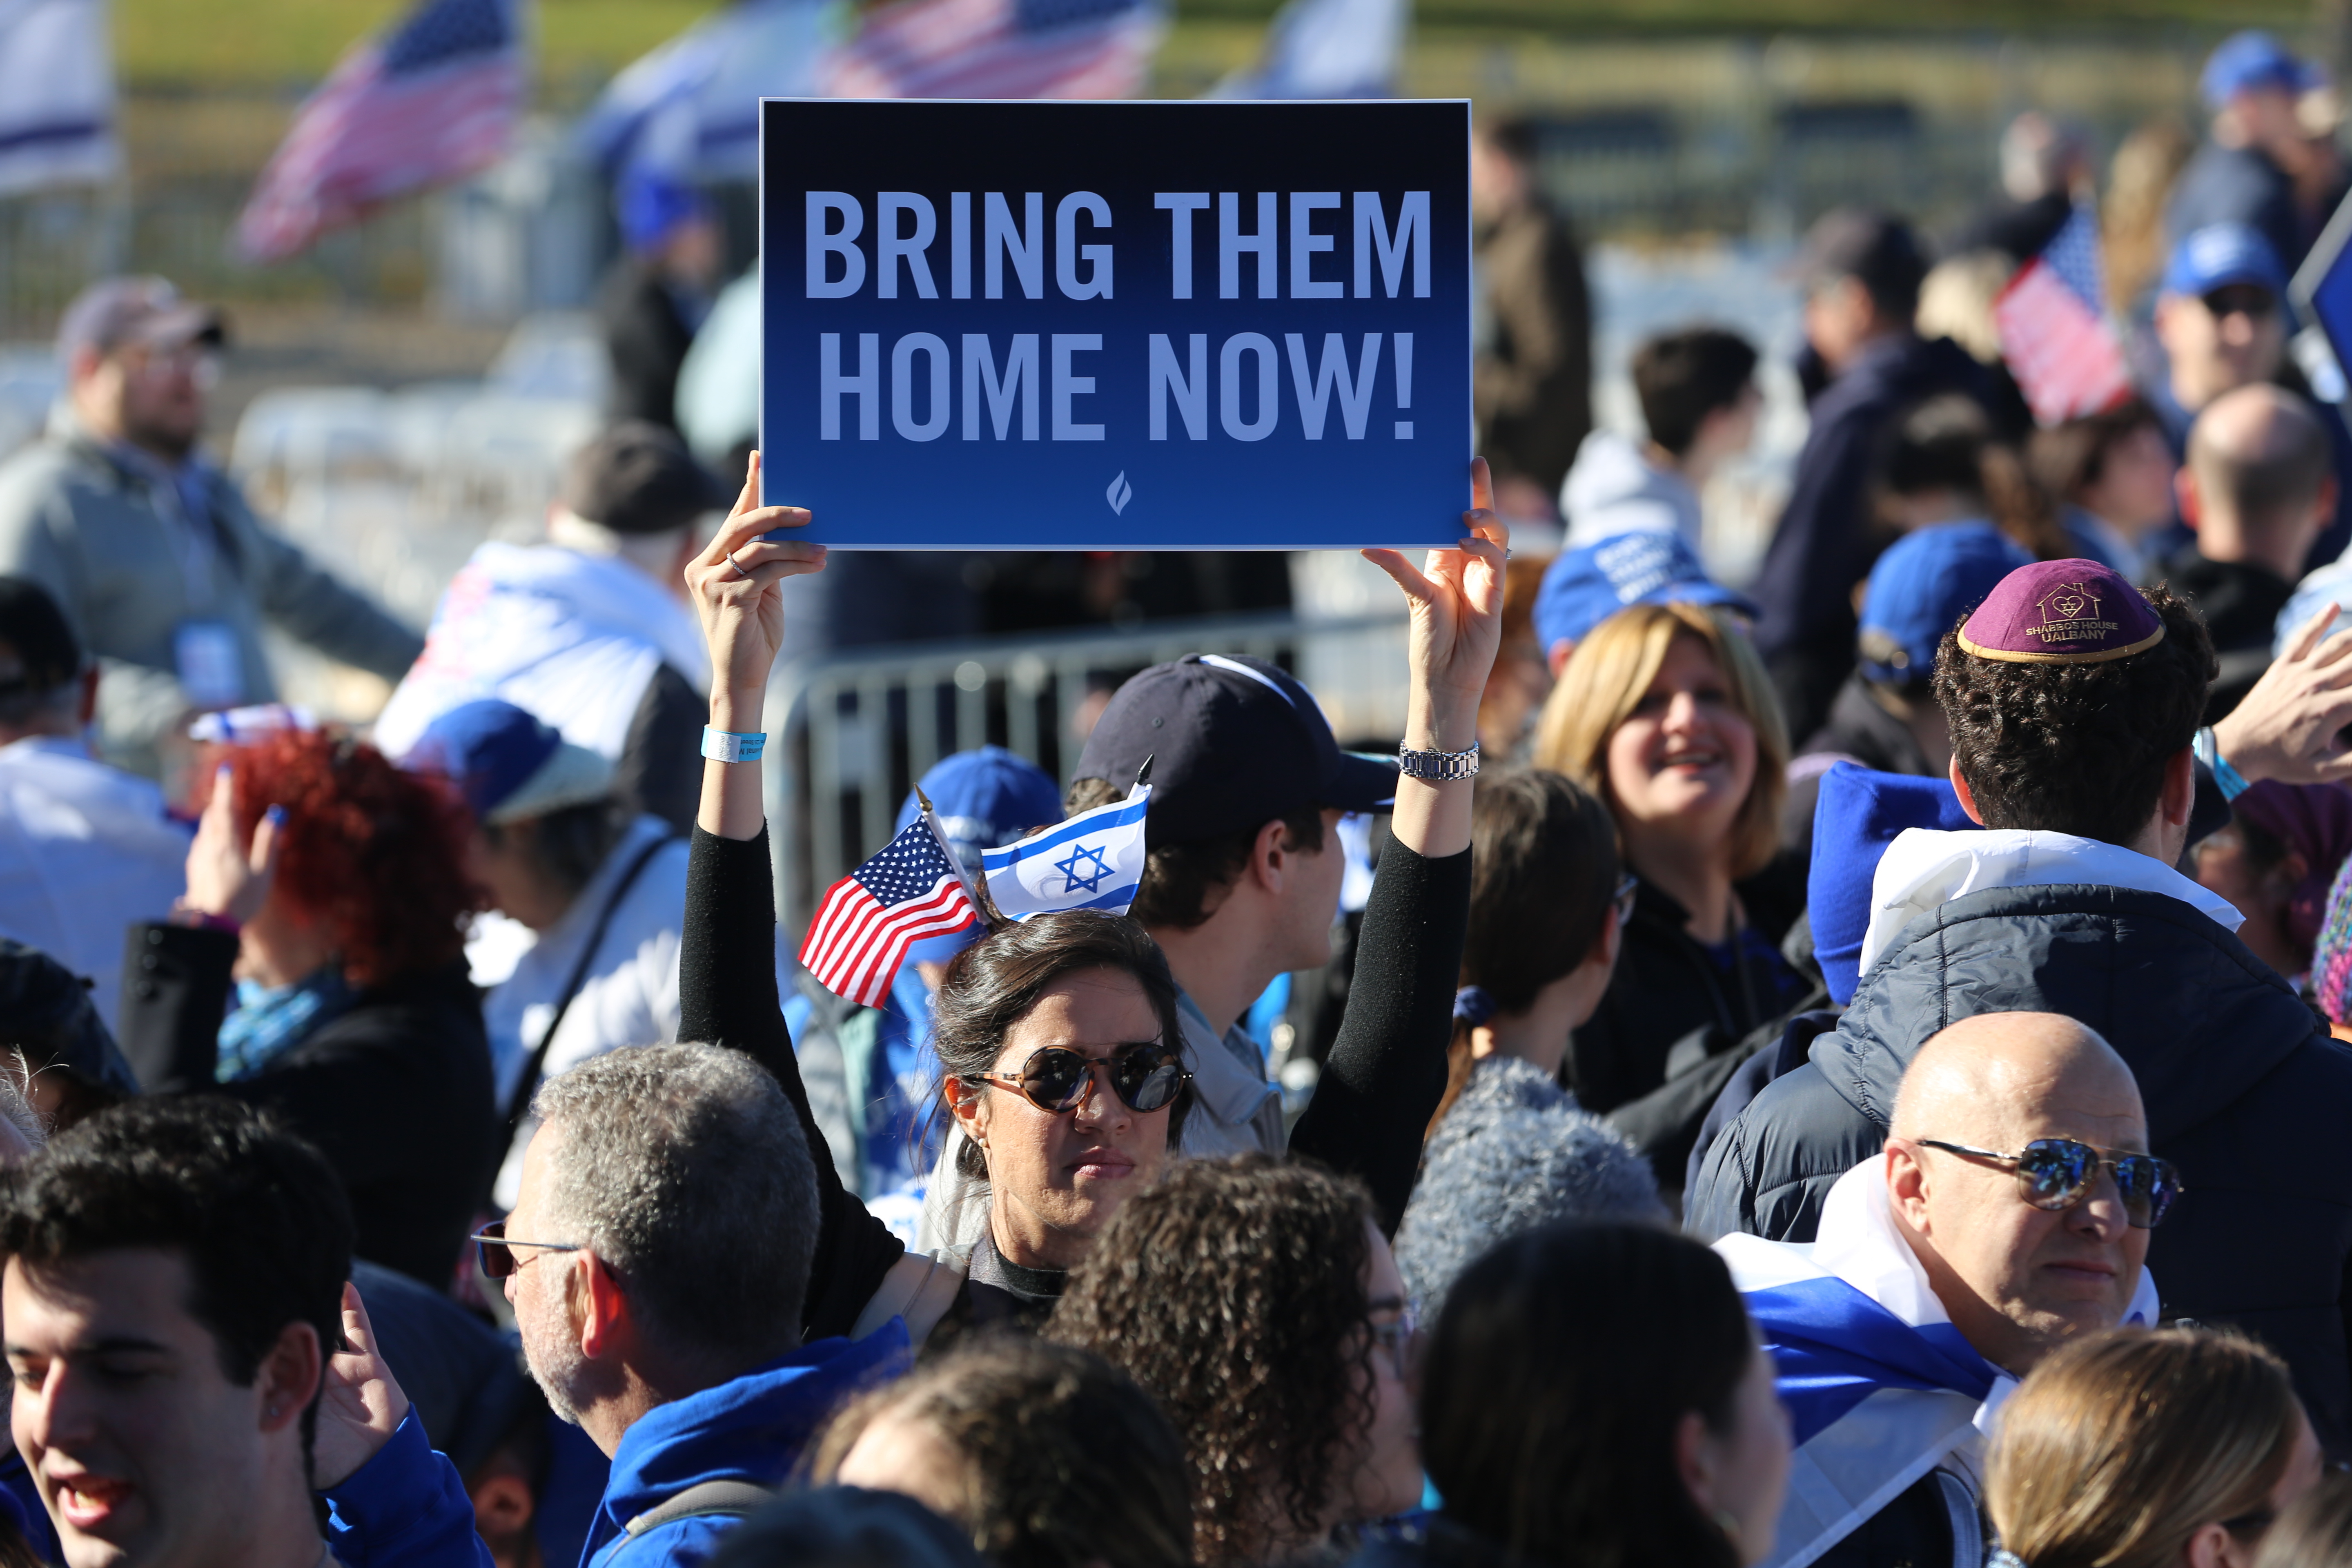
[(163, 570)]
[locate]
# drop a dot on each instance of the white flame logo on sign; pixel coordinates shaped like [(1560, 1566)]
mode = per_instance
[(1119, 494)]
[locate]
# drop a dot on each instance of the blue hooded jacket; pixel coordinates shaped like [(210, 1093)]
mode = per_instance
[(750, 1428), (405, 1508)]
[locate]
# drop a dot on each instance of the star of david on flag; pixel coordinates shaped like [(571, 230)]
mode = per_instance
[(911, 889), (1093, 861)]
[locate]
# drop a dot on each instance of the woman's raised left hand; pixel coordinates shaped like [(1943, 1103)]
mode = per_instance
[(1457, 599)]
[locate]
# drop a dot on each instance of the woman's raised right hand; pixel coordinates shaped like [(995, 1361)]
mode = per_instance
[(736, 586)]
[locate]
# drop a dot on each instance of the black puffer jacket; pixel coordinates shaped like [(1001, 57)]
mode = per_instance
[(2244, 1091)]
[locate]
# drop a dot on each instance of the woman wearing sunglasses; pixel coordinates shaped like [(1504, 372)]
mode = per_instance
[(2172, 1449), (1058, 1041)]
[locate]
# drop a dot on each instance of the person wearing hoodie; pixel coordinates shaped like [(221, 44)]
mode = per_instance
[(655, 1261), (589, 631), (1862, 271), (1699, 401), (2074, 700)]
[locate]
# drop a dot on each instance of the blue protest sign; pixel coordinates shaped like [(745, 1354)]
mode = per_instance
[(1138, 325)]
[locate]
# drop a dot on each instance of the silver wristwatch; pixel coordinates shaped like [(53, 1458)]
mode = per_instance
[(1438, 767)]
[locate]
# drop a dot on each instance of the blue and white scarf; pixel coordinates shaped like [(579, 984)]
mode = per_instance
[(270, 1020), (1881, 1388)]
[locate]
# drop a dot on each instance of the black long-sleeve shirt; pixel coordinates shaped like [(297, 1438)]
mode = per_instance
[(1380, 1086)]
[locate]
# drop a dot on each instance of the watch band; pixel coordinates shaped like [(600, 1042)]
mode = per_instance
[(2208, 749), (1438, 767), (732, 746)]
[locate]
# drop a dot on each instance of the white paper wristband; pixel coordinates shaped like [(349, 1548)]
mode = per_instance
[(728, 746)]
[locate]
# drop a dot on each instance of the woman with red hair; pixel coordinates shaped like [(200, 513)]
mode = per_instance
[(316, 967)]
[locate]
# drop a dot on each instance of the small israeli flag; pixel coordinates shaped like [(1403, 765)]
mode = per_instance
[(1093, 861)]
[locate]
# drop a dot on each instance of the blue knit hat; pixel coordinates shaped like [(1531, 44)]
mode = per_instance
[(1856, 817)]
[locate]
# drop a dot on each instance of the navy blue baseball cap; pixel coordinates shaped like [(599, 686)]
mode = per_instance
[(2246, 62), (506, 763), (985, 799), (2221, 253), (1587, 585), (1919, 590), (1234, 742)]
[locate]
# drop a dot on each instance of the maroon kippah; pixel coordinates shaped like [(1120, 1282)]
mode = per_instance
[(2062, 611)]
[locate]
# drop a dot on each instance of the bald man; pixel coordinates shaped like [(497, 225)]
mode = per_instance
[(2018, 1280), (1935, 1283), (2259, 487)]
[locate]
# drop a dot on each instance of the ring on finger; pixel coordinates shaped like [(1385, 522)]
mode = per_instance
[(737, 564)]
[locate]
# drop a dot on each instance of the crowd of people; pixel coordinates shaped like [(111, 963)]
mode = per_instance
[(1843, 1070)]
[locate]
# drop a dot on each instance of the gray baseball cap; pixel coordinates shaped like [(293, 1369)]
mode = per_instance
[(116, 312)]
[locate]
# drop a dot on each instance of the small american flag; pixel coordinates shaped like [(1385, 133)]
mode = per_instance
[(2054, 328), (997, 48), (429, 103), (863, 929)]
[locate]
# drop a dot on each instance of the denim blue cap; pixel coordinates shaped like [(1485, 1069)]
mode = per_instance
[(985, 799), (651, 205), (1587, 585), (2245, 61), (1919, 590), (2221, 253), (506, 763)]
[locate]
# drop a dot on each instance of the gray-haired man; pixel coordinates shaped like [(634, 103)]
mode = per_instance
[(656, 1259)]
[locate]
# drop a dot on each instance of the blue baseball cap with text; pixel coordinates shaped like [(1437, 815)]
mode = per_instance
[(1587, 585), (2221, 253)]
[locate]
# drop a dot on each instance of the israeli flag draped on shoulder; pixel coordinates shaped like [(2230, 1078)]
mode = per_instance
[(1092, 861), (1881, 1388)]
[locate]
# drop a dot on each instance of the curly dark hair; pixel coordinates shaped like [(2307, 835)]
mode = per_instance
[(1182, 881), (1559, 1370), (373, 854), (1067, 1461), (1235, 1291), (2077, 748), (259, 1216), (992, 986)]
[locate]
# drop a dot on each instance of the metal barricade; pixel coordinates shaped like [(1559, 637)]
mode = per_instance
[(850, 732)]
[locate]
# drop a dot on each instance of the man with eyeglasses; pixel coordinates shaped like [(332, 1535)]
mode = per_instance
[(656, 1259), (2009, 1213), (2074, 702), (2221, 324), (162, 567)]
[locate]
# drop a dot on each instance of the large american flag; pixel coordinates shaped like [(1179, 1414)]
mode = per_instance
[(431, 102), (997, 48), (869, 919), (2053, 320)]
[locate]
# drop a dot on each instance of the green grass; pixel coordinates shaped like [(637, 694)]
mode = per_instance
[(292, 43)]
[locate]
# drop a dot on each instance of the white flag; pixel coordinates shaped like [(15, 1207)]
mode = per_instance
[(57, 95), (1327, 48), (1093, 861)]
